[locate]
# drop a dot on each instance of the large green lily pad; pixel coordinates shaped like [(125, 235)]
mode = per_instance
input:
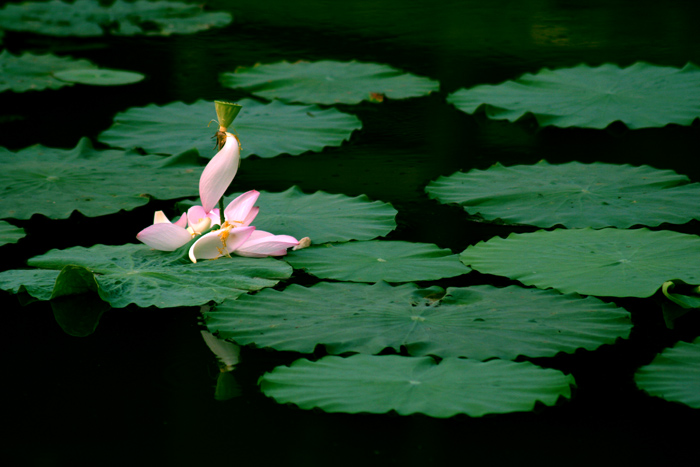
[(375, 261), (9, 233), (573, 195), (478, 322), (127, 274), (407, 385), (56, 182), (87, 18), (328, 82), (607, 262), (30, 72), (640, 96), (266, 130), (37, 283), (321, 216), (674, 374)]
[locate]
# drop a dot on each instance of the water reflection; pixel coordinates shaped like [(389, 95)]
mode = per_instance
[(78, 315), (228, 356)]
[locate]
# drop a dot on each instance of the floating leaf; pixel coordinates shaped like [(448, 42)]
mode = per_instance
[(323, 217), (478, 322), (682, 294), (29, 72), (573, 195), (9, 233), (37, 283), (608, 262), (640, 96), (56, 182), (378, 261), (674, 375), (328, 82), (99, 77), (87, 18), (407, 385), (127, 274), (266, 130)]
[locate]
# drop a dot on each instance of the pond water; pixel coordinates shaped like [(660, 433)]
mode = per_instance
[(141, 388)]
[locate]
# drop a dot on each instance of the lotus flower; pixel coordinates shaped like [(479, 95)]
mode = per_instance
[(219, 173), (169, 236), (233, 233)]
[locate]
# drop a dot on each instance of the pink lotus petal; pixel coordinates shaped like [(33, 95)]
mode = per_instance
[(210, 245), (261, 244), (165, 237), (182, 221), (219, 173), (198, 219), (251, 215), (242, 209), (214, 216), (160, 218)]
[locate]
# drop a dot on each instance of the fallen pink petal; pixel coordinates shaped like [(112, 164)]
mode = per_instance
[(164, 236), (220, 242), (262, 244)]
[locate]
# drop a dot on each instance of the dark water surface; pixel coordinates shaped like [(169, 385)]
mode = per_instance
[(140, 389)]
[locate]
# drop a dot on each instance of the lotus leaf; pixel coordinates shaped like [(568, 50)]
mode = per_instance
[(321, 216), (266, 130), (87, 18), (100, 77), (9, 233), (56, 182), (478, 322), (408, 385), (573, 195), (29, 72), (640, 96), (127, 274), (378, 261), (328, 82), (682, 294), (674, 375), (607, 262), (37, 283)]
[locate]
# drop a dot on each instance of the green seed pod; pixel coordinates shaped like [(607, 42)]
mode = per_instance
[(226, 112)]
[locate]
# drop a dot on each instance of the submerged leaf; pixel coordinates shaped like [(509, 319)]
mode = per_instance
[(674, 374), (328, 82), (56, 182), (127, 274), (573, 195), (640, 96), (478, 322), (266, 130), (375, 261), (86, 18), (607, 262), (407, 385)]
